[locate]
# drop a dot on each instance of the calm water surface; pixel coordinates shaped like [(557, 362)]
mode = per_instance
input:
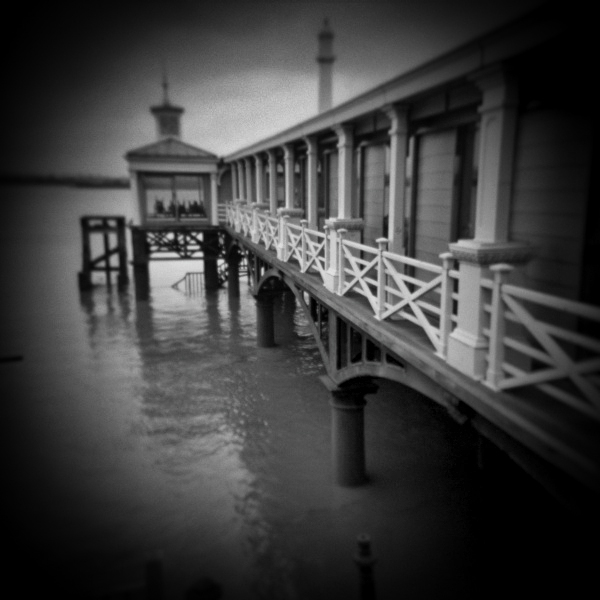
[(160, 427)]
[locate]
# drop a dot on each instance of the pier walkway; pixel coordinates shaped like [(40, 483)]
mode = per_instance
[(373, 318)]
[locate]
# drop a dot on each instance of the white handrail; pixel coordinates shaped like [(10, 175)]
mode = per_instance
[(563, 363), (400, 287)]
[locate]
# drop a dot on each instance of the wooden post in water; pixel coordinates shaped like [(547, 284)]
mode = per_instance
[(104, 226), (348, 430), (85, 275), (233, 274), (211, 253), (123, 277), (265, 336), (364, 561), (141, 270)]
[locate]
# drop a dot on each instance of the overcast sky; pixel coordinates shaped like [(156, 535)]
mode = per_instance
[(78, 82)]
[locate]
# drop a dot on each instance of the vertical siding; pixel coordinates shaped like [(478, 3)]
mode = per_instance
[(435, 184), (373, 189), (550, 194)]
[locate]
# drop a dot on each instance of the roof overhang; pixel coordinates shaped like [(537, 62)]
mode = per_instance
[(462, 62)]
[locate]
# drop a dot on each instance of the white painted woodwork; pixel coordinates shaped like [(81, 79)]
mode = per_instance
[(289, 163), (312, 183), (397, 187), (260, 179), (345, 171), (249, 186), (214, 196), (497, 128), (272, 182)]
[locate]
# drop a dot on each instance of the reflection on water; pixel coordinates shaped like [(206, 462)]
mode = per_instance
[(136, 428)]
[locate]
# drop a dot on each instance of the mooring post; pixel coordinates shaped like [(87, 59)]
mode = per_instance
[(106, 255), (123, 277), (204, 589), (365, 561), (154, 578), (141, 270), (348, 430), (85, 275), (233, 275), (265, 329), (211, 253)]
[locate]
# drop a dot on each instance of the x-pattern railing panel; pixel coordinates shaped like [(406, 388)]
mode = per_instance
[(294, 245), (358, 269), (268, 228), (547, 364), (315, 251), (411, 299)]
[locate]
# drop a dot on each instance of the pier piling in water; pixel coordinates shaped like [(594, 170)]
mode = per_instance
[(348, 430), (106, 226), (365, 561)]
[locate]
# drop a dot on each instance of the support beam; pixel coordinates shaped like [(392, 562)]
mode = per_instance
[(241, 181), (249, 190), (312, 215), (467, 344), (234, 182), (211, 273), (398, 116), (141, 270), (260, 179), (214, 195), (345, 171), (272, 182), (289, 164), (233, 275)]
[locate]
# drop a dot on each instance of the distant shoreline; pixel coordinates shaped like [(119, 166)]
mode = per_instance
[(81, 181)]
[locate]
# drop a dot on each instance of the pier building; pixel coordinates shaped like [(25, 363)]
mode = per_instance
[(441, 230), (174, 194)]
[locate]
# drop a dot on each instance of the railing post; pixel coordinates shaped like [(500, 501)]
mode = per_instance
[(497, 325), (303, 223), (237, 217), (381, 277), (445, 304), (341, 268), (255, 233), (283, 238)]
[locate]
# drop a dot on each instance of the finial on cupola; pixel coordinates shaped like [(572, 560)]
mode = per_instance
[(168, 116)]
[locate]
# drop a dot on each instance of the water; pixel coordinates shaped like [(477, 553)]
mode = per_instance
[(159, 428)]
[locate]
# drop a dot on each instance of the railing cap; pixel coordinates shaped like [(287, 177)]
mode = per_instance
[(501, 268)]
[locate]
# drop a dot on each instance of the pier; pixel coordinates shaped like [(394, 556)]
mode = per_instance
[(401, 223), (545, 438)]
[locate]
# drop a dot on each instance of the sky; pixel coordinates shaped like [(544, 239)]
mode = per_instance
[(79, 79)]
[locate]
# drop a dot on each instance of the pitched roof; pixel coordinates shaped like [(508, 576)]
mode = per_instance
[(169, 147)]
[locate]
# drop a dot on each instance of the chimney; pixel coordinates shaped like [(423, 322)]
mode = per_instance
[(325, 59)]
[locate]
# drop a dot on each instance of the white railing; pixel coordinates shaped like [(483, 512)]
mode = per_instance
[(314, 250), (267, 229), (526, 348), (381, 277)]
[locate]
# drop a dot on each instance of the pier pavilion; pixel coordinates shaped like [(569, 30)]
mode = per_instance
[(439, 230), (174, 196)]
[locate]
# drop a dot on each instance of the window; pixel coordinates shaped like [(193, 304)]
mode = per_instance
[(176, 197)]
